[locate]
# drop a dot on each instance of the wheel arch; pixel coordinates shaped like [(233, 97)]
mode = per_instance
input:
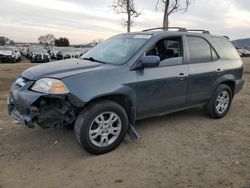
[(231, 84), (122, 99), (228, 80)]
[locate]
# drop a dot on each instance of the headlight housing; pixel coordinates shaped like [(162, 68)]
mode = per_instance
[(50, 86)]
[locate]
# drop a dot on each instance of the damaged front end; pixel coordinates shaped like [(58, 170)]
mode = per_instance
[(45, 110), (53, 111)]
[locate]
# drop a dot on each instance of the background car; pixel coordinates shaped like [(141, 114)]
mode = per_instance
[(40, 56), (9, 55)]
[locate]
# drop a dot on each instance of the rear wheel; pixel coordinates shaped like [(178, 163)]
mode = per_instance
[(101, 127), (220, 103)]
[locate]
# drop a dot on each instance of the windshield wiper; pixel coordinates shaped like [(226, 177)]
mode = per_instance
[(94, 60)]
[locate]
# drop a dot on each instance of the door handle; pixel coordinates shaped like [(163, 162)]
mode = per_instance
[(218, 71), (182, 76)]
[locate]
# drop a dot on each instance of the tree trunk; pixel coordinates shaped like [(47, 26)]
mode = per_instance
[(129, 16), (165, 18)]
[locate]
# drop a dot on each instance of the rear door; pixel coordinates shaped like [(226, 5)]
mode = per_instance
[(163, 88), (204, 69)]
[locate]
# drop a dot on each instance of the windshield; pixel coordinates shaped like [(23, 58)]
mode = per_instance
[(117, 50)]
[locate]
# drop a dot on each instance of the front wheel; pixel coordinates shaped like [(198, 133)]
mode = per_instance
[(220, 103), (101, 127)]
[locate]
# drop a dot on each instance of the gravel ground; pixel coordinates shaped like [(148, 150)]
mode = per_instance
[(184, 149)]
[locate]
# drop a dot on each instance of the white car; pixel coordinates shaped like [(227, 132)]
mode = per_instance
[(7, 55)]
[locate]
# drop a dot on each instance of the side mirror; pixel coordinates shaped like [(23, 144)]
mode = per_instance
[(150, 61)]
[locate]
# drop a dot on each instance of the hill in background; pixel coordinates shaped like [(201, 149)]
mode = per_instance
[(242, 43)]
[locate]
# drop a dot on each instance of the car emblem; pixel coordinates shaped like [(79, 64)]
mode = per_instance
[(20, 82)]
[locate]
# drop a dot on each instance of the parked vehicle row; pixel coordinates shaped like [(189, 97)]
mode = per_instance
[(42, 54), (9, 54), (36, 54), (60, 53), (244, 52)]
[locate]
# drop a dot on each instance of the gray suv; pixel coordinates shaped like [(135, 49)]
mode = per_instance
[(129, 77)]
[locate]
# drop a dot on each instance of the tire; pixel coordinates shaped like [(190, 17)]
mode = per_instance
[(219, 106), (94, 118)]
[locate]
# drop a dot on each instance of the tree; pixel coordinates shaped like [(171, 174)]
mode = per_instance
[(172, 6), (12, 42), (48, 39), (62, 42), (2, 41), (126, 7), (5, 40)]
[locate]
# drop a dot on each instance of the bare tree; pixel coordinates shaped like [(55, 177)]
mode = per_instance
[(172, 6), (48, 39), (126, 7)]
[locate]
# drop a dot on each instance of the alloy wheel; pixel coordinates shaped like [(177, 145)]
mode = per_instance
[(222, 102), (105, 129)]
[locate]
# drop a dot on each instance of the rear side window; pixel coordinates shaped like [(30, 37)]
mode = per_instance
[(199, 50), (225, 48)]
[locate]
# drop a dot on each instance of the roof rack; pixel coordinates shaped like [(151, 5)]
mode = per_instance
[(166, 28), (197, 30), (182, 29)]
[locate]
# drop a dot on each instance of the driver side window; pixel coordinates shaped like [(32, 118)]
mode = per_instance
[(169, 50)]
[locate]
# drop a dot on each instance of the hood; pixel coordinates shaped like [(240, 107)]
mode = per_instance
[(6, 52), (61, 69)]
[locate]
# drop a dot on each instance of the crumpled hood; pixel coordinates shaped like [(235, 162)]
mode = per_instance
[(61, 69)]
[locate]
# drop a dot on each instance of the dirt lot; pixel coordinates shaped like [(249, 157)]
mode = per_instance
[(184, 149)]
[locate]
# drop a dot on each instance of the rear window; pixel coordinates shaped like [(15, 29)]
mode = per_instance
[(199, 50), (225, 48)]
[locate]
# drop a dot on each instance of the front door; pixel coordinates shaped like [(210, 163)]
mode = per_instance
[(163, 88)]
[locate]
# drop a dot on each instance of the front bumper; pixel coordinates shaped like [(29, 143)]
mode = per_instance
[(7, 59), (25, 119), (46, 110), (40, 59), (21, 103)]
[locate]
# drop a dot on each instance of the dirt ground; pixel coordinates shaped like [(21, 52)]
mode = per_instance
[(184, 149)]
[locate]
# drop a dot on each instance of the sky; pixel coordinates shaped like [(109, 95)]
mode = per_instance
[(85, 20)]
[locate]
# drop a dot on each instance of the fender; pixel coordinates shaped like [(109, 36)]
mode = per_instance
[(222, 79), (128, 93)]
